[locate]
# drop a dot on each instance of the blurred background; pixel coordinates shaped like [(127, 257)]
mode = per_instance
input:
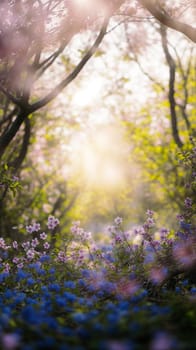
[(107, 145)]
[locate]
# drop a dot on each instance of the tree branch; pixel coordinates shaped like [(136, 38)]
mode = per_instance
[(171, 93), (155, 9), (16, 163), (54, 93)]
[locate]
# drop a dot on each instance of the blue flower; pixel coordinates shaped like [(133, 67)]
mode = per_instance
[(79, 317), (45, 258), (20, 297), (21, 274), (30, 281), (3, 276), (30, 315), (9, 294), (70, 284), (193, 290), (54, 287), (61, 302), (70, 296)]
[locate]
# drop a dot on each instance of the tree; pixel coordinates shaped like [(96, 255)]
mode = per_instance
[(34, 34)]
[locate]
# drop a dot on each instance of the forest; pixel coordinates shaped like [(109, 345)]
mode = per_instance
[(97, 174)]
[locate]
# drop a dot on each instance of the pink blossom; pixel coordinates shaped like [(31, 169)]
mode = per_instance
[(158, 274), (184, 253), (127, 288)]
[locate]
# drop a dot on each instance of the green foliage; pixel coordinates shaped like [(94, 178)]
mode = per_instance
[(8, 181)]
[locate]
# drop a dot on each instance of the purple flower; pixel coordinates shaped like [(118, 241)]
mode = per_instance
[(10, 341), (150, 213), (36, 227), (46, 245), (52, 222), (15, 244), (30, 254), (162, 341), (34, 242), (188, 202), (30, 229)]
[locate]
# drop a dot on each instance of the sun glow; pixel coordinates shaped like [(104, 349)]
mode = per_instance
[(89, 93), (99, 160)]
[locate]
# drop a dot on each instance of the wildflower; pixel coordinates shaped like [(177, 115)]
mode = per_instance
[(30, 281), (34, 242), (111, 229), (150, 213), (10, 341), (20, 266), (118, 221), (126, 288), (6, 267), (2, 243), (180, 217), (163, 233), (52, 222), (26, 245), (70, 284), (188, 202), (43, 235), (36, 227), (15, 178), (30, 253), (79, 317), (30, 229), (158, 274), (46, 245), (15, 244), (162, 341), (75, 226), (54, 287), (150, 222), (61, 256), (184, 253), (15, 260)]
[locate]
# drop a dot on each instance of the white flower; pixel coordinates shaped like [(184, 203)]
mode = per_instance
[(43, 235), (118, 220)]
